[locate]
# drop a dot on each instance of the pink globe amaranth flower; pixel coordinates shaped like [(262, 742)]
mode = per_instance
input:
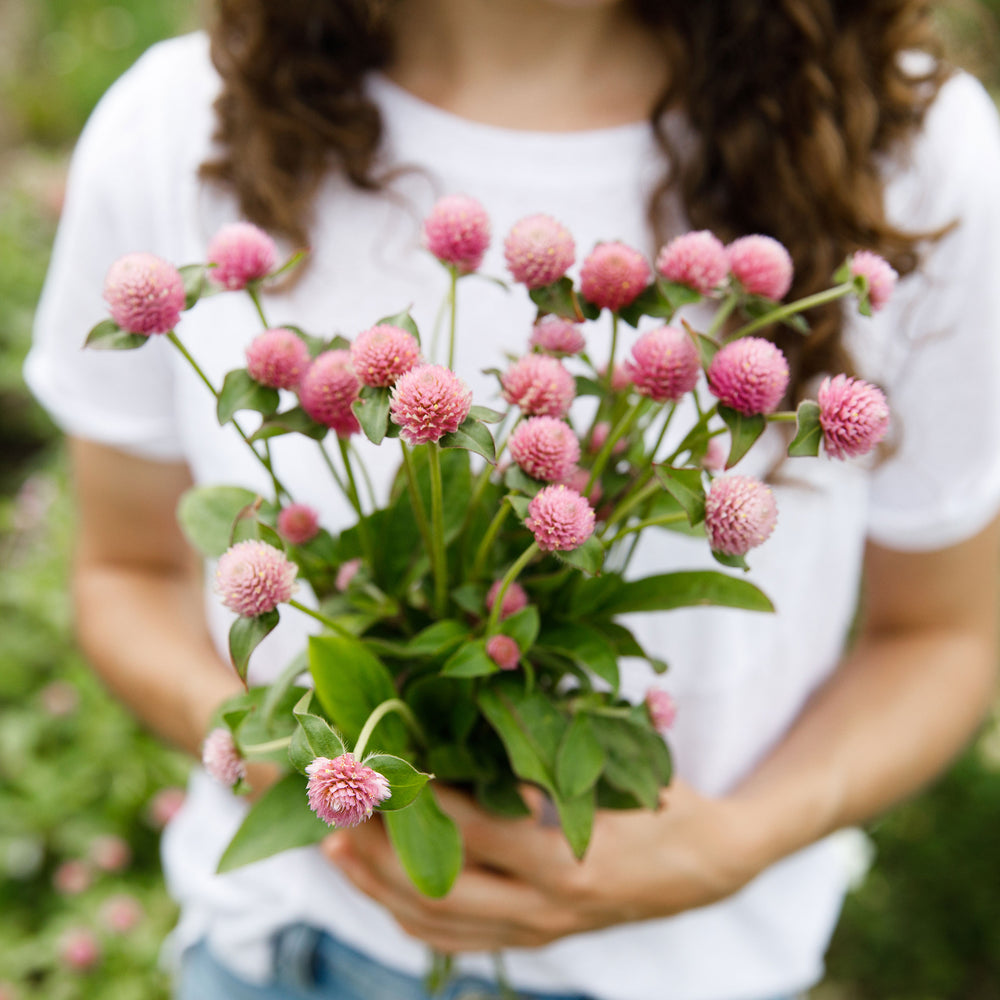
[(716, 454), (539, 385), (854, 416), (327, 391), (664, 364), (79, 949), (278, 358), (545, 448), (577, 479), (110, 853), (538, 250), (599, 437), (72, 877), (696, 259), (503, 651), (761, 265), (145, 293), (165, 805), (241, 253), (121, 914), (749, 375), (740, 514), (383, 353), (620, 378), (558, 336), (253, 578), (345, 573), (661, 707), (613, 276), (298, 523), (344, 792), (881, 276), (60, 698), (221, 758), (514, 599), (429, 402), (560, 519), (457, 232)]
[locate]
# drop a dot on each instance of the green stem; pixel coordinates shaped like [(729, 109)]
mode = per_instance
[(452, 310), (416, 501), (650, 522), (800, 305), (620, 430), (511, 575), (328, 622), (782, 417), (333, 472), (721, 315), (355, 498), (437, 534), (369, 488), (610, 373), (378, 714), (663, 432), (629, 503), (488, 539), (176, 341), (269, 462), (255, 299), (262, 748)]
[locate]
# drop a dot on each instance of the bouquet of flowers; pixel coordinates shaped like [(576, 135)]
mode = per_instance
[(471, 624)]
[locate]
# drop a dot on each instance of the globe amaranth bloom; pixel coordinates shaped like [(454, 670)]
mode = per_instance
[(740, 514), (344, 792), (761, 265), (879, 273), (514, 598), (545, 448), (560, 519), (539, 385), (383, 353), (696, 259), (457, 232), (854, 416), (503, 651), (557, 336), (278, 358), (241, 253), (253, 578), (221, 758), (661, 708), (538, 250), (613, 276), (429, 402), (664, 365), (145, 293), (327, 391), (298, 523), (749, 375)]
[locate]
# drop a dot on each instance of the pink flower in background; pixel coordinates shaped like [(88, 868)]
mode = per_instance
[(344, 792), (277, 358), (716, 454), (429, 402), (661, 707), (664, 364), (557, 336), (72, 877), (696, 259), (538, 250), (327, 391), (620, 378), (749, 375), (761, 265), (503, 651), (383, 353), (457, 232), (576, 479), (600, 435), (253, 578), (740, 514), (539, 385), (514, 599), (144, 293), (60, 698), (560, 519), (241, 253), (854, 416), (221, 757), (79, 949), (165, 805), (110, 853), (345, 573), (121, 914), (545, 448), (613, 276), (298, 523), (880, 274)]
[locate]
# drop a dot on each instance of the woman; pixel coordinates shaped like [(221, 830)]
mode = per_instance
[(816, 121)]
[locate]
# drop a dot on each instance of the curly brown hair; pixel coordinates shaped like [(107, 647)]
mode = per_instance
[(788, 138)]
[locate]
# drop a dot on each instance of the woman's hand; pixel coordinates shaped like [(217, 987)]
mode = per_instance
[(521, 886)]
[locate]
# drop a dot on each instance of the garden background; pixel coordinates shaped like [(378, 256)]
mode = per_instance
[(84, 792)]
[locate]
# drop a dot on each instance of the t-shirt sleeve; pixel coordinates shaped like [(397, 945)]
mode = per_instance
[(113, 206), (941, 367)]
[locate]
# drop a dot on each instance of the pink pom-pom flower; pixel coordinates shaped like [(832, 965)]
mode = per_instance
[(539, 385), (514, 599), (346, 572), (221, 758), (503, 651), (696, 259), (761, 265), (165, 805), (277, 358), (429, 402), (749, 375), (383, 353), (613, 276), (253, 578), (327, 391), (457, 232), (740, 514), (545, 448), (121, 914), (854, 416), (661, 708), (79, 949), (664, 364), (145, 293), (72, 877), (577, 479), (298, 523), (110, 853), (560, 519), (879, 273), (241, 253), (557, 336), (538, 250), (344, 792), (599, 437)]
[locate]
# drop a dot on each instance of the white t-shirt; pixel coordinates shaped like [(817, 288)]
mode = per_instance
[(739, 679)]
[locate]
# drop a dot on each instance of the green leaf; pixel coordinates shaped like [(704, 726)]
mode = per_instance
[(586, 647), (322, 740), (438, 638), (485, 414), (404, 321), (471, 598), (808, 431), (427, 843), (300, 754), (289, 264), (469, 660), (472, 436), (316, 345), (245, 634), (559, 298), (580, 759), (294, 421), (520, 505), (280, 820), (207, 513), (522, 627), (516, 479), (372, 411), (109, 336), (685, 486), (743, 432), (589, 557), (502, 798), (576, 815), (707, 348), (404, 779), (685, 589), (588, 386), (628, 764), (240, 392), (196, 283), (735, 562)]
